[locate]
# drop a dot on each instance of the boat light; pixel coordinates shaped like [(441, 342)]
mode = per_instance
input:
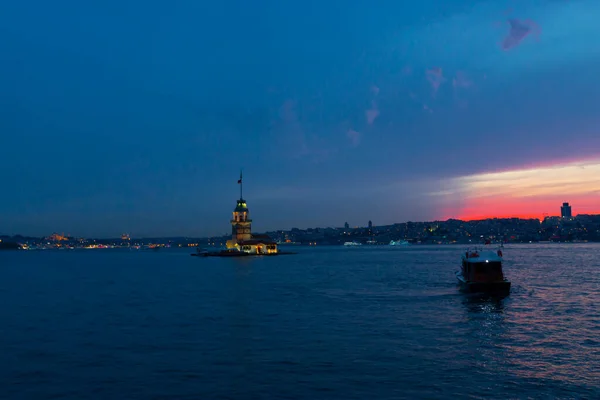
[(487, 261)]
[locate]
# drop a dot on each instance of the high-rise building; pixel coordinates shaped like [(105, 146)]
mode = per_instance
[(565, 211), (370, 225), (346, 226)]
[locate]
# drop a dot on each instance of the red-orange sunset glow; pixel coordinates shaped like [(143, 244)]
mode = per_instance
[(528, 193)]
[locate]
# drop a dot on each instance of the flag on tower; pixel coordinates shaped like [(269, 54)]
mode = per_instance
[(240, 180)]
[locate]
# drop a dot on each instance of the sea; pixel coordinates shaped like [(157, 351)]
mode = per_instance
[(363, 322)]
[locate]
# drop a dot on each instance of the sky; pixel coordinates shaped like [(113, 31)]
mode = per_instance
[(136, 117)]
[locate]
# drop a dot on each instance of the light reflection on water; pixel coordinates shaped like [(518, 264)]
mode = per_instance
[(555, 325)]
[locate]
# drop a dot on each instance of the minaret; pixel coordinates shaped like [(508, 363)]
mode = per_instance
[(241, 224)]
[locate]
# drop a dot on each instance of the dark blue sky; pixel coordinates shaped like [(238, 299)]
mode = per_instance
[(136, 116)]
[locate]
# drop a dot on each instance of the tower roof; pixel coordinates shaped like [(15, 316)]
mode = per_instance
[(241, 206)]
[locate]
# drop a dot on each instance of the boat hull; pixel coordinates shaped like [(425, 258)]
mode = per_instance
[(483, 287)]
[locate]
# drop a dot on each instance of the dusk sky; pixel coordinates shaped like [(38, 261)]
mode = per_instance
[(137, 116)]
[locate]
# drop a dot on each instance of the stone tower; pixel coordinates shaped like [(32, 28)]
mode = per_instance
[(241, 224)]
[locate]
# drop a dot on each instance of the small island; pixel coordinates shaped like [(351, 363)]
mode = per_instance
[(243, 243)]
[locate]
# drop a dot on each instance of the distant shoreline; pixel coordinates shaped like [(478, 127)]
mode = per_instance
[(582, 228), (16, 247)]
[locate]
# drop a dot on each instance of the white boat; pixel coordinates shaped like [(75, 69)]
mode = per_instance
[(399, 243), (353, 243), (481, 271)]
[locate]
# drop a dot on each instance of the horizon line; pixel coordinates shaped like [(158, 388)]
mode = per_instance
[(522, 217)]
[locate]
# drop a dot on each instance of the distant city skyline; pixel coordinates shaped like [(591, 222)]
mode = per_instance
[(136, 117), (565, 214), (565, 228)]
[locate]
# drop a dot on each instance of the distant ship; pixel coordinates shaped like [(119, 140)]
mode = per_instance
[(353, 243), (399, 243)]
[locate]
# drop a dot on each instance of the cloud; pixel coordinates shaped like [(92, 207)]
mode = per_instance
[(415, 99), (529, 192), (354, 137), (436, 78), (372, 113), (466, 39), (571, 178), (519, 30)]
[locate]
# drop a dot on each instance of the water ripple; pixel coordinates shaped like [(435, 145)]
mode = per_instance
[(328, 323)]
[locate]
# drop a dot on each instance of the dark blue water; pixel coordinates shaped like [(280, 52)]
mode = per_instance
[(328, 323)]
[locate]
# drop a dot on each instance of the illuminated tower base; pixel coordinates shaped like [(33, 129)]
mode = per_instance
[(241, 225)]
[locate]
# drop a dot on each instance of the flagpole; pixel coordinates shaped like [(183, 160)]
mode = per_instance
[(241, 186)]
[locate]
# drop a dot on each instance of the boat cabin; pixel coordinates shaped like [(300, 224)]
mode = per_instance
[(482, 266)]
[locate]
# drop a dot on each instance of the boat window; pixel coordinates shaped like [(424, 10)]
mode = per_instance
[(488, 267), (488, 271)]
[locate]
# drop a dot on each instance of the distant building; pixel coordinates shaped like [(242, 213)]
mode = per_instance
[(259, 244), (565, 211), (346, 226), (55, 237), (125, 237), (241, 231), (370, 225)]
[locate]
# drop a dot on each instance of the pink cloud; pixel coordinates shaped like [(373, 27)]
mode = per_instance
[(519, 30), (354, 137), (436, 78), (372, 113), (533, 191)]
